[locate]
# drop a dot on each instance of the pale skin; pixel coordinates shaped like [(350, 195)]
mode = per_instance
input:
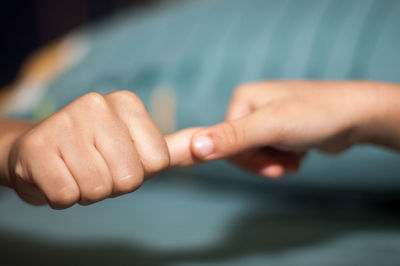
[(102, 146)]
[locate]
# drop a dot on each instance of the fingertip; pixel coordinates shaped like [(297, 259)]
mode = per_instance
[(273, 171), (180, 148)]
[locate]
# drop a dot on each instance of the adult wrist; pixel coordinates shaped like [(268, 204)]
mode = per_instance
[(10, 131), (379, 121)]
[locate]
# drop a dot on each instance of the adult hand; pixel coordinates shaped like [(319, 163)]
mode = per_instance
[(271, 125)]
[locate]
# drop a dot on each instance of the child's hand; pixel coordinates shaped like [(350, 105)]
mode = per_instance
[(96, 147), (270, 125)]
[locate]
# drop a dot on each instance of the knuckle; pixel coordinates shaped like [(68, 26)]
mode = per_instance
[(65, 197), (125, 94), (33, 142), (240, 90), (132, 99), (157, 163), (128, 183), (128, 99), (66, 121), (245, 88), (95, 193), (94, 101), (278, 136), (231, 135)]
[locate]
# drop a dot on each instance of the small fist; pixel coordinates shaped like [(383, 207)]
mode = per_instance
[(98, 146)]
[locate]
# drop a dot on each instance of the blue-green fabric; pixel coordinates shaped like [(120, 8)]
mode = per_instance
[(204, 49), (336, 211)]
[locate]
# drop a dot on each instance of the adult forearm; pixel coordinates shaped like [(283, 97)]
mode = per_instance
[(381, 126)]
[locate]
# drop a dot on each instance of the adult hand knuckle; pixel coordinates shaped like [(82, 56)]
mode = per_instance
[(246, 88), (240, 90), (231, 135)]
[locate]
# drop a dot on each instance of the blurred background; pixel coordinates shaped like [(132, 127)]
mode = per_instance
[(341, 210), (26, 25)]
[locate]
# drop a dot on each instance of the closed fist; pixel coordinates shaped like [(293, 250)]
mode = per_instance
[(98, 146)]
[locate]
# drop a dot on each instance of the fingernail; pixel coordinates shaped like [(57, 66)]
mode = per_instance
[(203, 146)]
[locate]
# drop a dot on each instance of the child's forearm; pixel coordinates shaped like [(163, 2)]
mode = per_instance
[(9, 132)]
